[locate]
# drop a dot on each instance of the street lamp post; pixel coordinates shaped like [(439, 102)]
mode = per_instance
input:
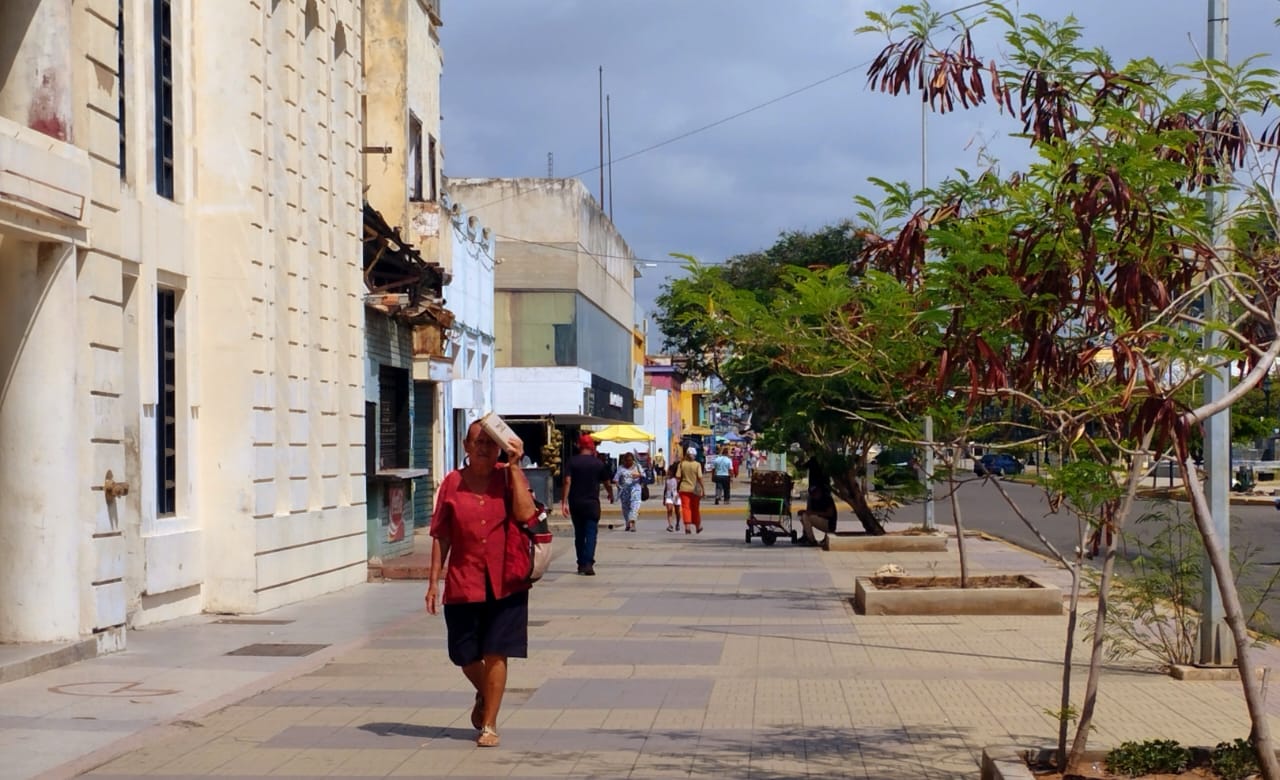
[(1216, 647)]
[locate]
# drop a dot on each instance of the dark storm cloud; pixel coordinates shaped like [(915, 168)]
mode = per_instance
[(521, 81)]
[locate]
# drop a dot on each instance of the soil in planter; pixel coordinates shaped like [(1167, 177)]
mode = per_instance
[(982, 581), (1098, 771), (915, 530)]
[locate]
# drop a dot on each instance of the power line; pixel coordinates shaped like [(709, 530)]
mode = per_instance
[(559, 248), (701, 129)]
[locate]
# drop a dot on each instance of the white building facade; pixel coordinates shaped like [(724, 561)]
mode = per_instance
[(469, 295), (563, 303), (181, 421)]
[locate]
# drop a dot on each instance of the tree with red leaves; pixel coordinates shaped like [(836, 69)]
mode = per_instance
[(1101, 246)]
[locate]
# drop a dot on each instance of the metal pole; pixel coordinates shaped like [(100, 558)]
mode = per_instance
[(928, 419), (608, 121), (1216, 645), (601, 137), (928, 473)]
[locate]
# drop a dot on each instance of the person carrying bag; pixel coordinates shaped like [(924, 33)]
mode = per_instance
[(528, 544), (486, 600)]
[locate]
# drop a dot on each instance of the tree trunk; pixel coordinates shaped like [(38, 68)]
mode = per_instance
[(1073, 613), (1235, 621), (1081, 741), (1116, 520), (955, 517), (849, 488), (1065, 705)]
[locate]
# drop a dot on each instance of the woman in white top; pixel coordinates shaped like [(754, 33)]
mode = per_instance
[(671, 498)]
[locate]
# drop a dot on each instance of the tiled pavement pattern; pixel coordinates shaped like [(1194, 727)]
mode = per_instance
[(687, 656)]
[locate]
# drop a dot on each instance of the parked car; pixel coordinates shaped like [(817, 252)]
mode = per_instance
[(998, 464)]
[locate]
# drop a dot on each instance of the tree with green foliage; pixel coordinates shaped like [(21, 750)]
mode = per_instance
[(1071, 289), (1103, 243), (743, 321)]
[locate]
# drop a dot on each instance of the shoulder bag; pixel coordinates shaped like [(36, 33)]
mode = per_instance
[(528, 545)]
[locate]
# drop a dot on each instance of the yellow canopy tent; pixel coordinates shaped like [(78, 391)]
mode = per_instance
[(621, 432), (697, 430)]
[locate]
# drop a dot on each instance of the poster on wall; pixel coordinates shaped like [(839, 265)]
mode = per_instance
[(395, 500)]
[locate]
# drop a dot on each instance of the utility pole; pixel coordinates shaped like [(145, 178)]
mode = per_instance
[(608, 121), (602, 138), (928, 521), (1217, 648)]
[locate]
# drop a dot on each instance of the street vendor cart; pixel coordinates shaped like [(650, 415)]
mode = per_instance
[(769, 507)]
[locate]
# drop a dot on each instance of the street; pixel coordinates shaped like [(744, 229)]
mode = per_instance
[(1255, 533)]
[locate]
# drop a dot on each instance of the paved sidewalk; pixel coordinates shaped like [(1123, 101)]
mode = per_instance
[(687, 656)]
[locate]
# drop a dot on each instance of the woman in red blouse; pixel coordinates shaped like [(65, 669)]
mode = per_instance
[(486, 613)]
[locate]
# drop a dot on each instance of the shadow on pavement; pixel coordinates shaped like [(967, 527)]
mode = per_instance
[(418, 731)]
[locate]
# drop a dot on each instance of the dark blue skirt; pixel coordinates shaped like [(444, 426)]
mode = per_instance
[(495, 627)]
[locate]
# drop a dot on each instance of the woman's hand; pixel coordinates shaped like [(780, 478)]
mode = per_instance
[(433, 603), (515, 451)]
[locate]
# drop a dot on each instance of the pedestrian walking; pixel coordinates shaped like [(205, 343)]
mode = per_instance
[(671, 496), (721, 476), (583, 476), (660, 462), (691, 490), (629, 480), (486, 608)]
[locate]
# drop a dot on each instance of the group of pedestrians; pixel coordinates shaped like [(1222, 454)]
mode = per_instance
[(584, 475)]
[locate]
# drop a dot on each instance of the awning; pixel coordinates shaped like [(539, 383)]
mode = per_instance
[(697, 430), (622, 432)]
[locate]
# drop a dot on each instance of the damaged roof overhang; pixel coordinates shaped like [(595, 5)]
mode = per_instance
[(411, 288)]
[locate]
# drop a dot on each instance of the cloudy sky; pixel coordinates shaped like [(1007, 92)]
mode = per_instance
[(521, 81)]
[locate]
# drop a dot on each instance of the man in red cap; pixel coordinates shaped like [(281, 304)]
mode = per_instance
[(583, 476)]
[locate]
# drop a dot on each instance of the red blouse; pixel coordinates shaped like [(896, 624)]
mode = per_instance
[(473, 525)]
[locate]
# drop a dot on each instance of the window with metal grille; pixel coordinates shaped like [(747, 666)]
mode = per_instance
[(162, 21), (431, 168), (120, 115), (166, 475), (393, 418)]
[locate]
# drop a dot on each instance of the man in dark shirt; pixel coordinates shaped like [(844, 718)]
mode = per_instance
[(583, 476)]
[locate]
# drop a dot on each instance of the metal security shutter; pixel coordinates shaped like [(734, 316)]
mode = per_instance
[(393, 418), (424, 417)]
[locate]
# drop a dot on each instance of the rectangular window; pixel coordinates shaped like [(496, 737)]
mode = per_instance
[(414, 162), (432, 192), (166, 475), (120, 116), (162, 21)]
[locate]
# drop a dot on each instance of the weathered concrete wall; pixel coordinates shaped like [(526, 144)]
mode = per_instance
[(386, 95), (260, 245), (279, 226), (565, 241), (35, 65), (42, 539)]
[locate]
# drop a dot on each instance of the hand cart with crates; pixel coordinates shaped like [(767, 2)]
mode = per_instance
[(769, 507)]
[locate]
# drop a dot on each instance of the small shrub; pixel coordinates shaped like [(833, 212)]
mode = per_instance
[(1150, 757), (1234, 760)]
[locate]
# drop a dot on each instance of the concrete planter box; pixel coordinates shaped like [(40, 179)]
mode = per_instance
[(888, 543), (935, 596)]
